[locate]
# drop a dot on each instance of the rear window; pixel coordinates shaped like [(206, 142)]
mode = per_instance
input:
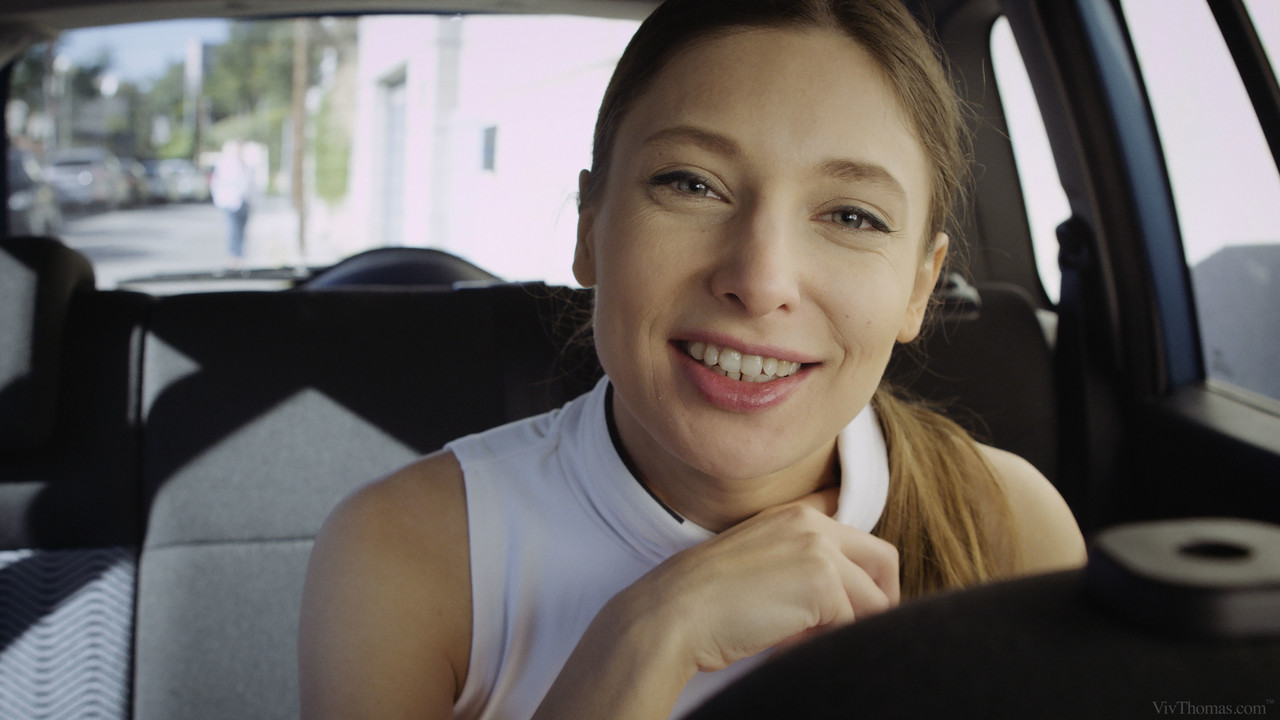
[(330, 136)]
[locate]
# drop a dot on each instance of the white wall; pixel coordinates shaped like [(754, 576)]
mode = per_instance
[(392, 48), (539, 81)]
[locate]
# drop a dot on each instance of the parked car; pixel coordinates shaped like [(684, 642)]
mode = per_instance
[(170, 445), (88, 178), (33, 204), (184, 181), (159, 188), (137, 181)]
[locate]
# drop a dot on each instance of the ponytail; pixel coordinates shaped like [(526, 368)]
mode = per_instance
[(945, 509)]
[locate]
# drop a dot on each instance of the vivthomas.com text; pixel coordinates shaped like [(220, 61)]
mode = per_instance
[(1189, 708)]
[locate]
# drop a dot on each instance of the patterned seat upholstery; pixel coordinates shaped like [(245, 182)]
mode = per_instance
[(69, 528)]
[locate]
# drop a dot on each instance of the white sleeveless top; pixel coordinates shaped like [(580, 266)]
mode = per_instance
[(558, 525)]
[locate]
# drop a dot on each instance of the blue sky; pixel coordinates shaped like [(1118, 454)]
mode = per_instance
[(141, 51)]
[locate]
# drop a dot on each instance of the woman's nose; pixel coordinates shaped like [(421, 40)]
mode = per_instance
[(757, 269)]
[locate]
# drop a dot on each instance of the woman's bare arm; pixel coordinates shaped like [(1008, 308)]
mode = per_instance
[(386, 618), (386, 614)]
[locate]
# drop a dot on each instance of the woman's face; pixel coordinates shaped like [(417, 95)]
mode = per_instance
[(766, 208)]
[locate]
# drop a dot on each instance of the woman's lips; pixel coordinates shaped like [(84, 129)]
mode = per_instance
[(736, 381)]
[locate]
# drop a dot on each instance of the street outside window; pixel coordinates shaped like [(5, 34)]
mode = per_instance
[(178, 152)]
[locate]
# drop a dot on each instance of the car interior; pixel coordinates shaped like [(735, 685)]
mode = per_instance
[(166, 458)]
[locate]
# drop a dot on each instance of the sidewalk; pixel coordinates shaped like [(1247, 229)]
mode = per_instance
[(272, 236)]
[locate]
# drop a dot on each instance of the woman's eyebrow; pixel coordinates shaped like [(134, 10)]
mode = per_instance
[(840, 169), (863, 172), (706, 139)]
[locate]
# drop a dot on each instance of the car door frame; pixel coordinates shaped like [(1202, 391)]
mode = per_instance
[(1148, 435)]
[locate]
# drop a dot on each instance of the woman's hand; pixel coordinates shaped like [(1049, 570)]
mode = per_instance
[(777, 577), (781, 575)]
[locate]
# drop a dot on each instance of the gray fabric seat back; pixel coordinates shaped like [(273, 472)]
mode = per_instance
[(262, 411)]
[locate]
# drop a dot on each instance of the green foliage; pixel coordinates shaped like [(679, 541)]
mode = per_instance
[(333, 146), (250, 88), (180, 145), (85, 80), (166, 94), (247, 94), (253, 68), (26, 82)]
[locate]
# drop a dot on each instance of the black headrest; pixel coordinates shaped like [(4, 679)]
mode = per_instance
[(984, 354), (38, 277), (402, 266)]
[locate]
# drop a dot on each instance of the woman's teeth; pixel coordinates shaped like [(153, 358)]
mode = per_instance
[(736, 366)]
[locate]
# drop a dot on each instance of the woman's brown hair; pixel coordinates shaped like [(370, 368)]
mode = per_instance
[(942, 492)]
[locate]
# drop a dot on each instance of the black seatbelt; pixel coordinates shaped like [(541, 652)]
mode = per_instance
[(1083, 360)]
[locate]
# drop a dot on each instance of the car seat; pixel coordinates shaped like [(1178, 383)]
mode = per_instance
[(69, 516)]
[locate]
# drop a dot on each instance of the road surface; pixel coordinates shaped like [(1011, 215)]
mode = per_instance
[(178, 238)]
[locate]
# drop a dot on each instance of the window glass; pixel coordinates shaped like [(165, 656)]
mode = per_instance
[(463, 133), (1266, 20), (1046, 201), (1225, 187)]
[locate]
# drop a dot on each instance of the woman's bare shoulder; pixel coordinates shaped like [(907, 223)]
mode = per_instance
[(1046, 536), (410, 502), (413, 518), (386, 614)]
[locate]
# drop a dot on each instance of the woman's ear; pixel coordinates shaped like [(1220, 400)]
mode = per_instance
[(584, 253), (926, 279)]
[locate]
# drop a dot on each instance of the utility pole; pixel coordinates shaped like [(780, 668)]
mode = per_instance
[(300, 76)]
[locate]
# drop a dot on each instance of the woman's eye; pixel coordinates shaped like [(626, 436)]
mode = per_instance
[(685, 183), (857, 219)]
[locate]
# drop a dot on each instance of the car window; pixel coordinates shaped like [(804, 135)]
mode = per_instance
[(462, 133), (1224, 182), (1266, 20), (1046, 201)]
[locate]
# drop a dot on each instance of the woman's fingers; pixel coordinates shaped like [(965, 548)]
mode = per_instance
[(782, 574), (864, 594), (867, 595), (864, 569), (878, 558)]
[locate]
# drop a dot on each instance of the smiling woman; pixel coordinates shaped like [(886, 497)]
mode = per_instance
[(760, 264), (764, 221)]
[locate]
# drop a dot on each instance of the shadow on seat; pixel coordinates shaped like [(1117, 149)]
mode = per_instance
[(400, 266)]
